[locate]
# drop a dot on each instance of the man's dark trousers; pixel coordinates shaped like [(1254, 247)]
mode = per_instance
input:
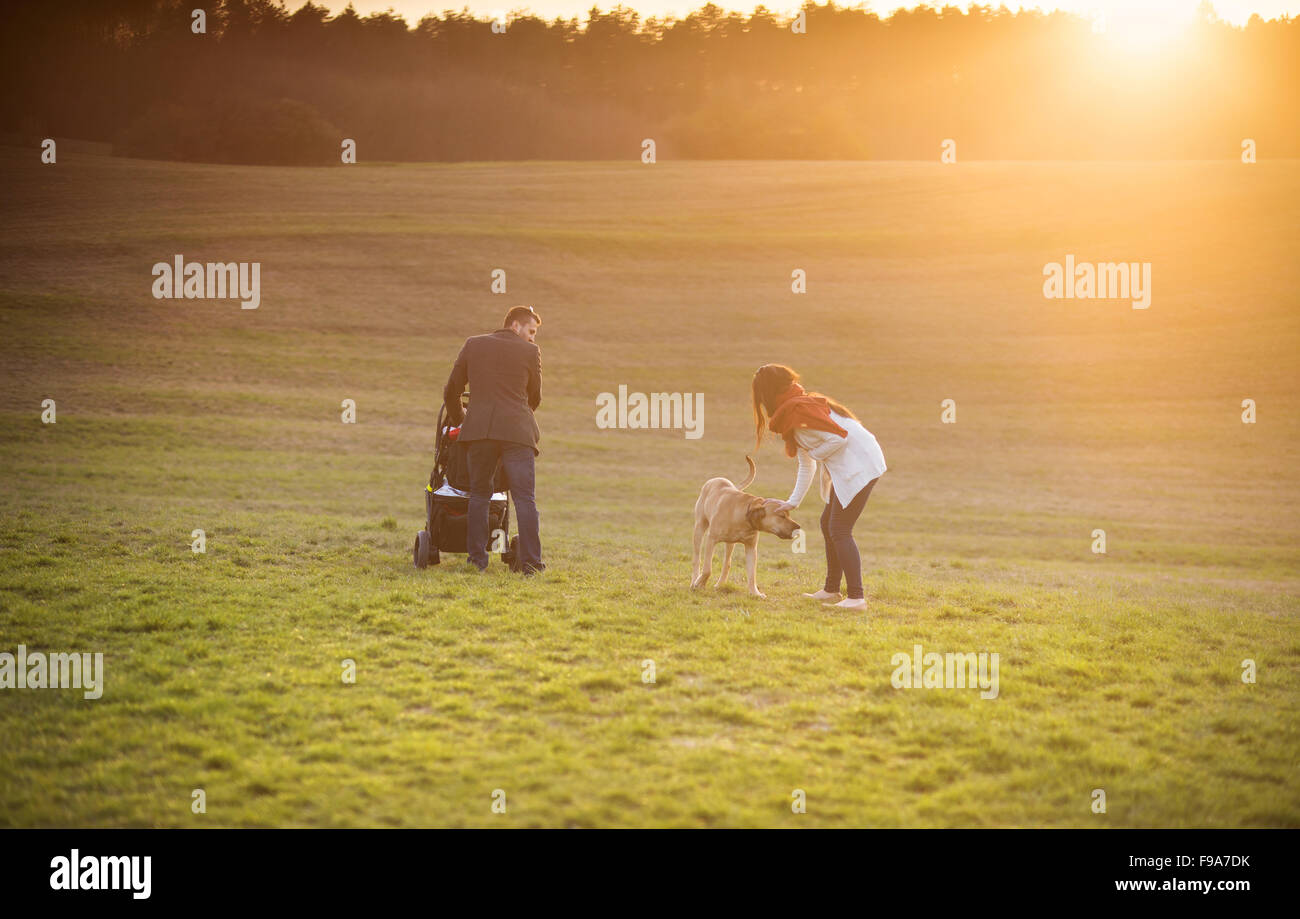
[(517, 460)]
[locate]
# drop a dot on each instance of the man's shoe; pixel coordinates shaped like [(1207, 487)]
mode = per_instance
[(476, 568)]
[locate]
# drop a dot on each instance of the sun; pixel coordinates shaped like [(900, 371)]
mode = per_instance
[(1139, 26)]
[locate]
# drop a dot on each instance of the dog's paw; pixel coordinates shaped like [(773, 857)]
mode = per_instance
[(759, 594)]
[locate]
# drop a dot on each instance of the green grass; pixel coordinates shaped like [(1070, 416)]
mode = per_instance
[(223, 670)]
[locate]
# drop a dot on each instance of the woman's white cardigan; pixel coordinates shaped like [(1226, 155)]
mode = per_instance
[(848, 463)]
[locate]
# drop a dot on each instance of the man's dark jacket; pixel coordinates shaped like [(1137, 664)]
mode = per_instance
[(504, 373)]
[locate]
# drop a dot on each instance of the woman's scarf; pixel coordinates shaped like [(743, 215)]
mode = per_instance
[(795, 409)]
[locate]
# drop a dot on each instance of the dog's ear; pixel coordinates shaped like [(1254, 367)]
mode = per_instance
[(755, 513)]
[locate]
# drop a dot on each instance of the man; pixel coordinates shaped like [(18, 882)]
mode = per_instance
[(504, 373)]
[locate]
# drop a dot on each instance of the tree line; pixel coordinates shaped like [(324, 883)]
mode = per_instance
[(264, 83)]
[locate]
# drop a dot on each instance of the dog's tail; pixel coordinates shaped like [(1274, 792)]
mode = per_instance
[(753, 471)]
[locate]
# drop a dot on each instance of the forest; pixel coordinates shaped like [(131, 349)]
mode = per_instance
[(264, 83)]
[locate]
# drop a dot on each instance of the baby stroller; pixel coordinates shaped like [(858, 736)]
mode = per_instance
[(446, 502)]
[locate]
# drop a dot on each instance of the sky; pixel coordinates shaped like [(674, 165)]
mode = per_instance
[(1147, 15)]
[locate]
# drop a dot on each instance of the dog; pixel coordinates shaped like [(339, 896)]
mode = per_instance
[(726, 514)]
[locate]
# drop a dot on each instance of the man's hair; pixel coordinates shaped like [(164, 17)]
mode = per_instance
[(520, 314)]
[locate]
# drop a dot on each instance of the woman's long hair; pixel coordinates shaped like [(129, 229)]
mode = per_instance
[(770, 381)]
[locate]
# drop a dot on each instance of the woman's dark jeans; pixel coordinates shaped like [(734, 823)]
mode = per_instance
[(842, 558)]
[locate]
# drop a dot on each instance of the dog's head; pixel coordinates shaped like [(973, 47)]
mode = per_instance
[(763, 515)]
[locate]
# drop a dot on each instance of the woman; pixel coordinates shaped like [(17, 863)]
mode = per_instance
[(818, 429)]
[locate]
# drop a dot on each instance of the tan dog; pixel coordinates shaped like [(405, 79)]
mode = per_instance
[(726, 514)]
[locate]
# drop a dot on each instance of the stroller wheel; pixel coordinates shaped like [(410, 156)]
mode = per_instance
[(511, 555), (434, 557), (420, 552)]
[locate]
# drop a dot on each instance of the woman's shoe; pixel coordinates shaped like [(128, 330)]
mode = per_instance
[(822, 595), (846, 603)]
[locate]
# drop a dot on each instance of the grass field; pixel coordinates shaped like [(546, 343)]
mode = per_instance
[(1119, 672)]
